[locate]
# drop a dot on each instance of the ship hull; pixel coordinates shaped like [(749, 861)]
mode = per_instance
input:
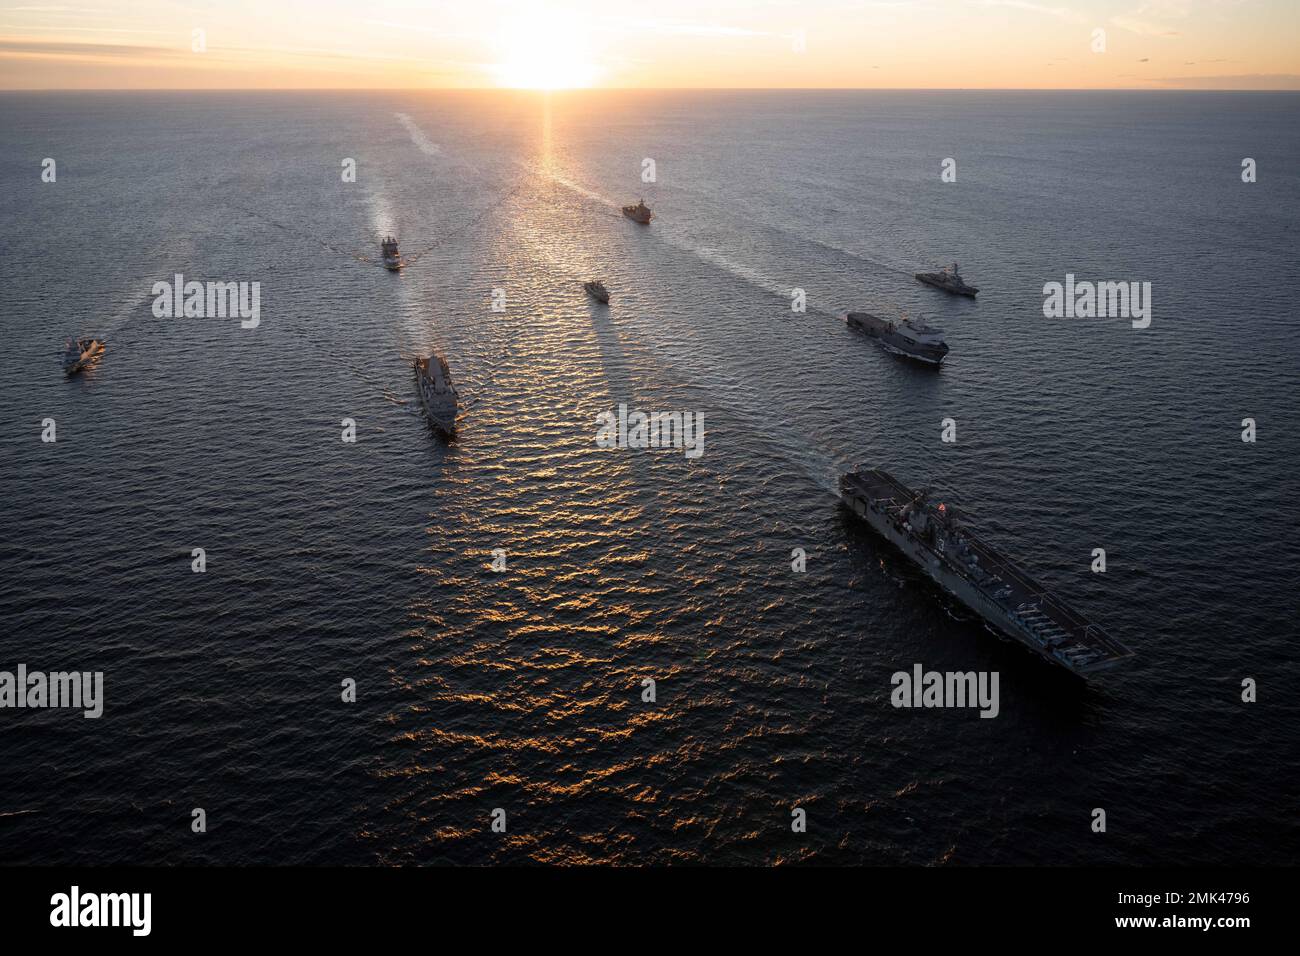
[(440, 421), (994, 615), (933, 358)]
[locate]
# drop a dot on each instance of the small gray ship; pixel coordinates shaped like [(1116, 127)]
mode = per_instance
[(949, 280), (437, 393), (911, 338), (639, 213), (393, 260), (936, 537), (81, 353), (596, 289)]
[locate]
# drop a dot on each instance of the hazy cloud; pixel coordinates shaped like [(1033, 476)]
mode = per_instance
[(1061, 13), (62, 48)]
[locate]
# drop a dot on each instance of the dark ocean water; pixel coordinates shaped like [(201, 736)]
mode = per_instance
[(522, 690)]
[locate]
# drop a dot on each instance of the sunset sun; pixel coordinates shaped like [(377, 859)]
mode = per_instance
[(546, 53)]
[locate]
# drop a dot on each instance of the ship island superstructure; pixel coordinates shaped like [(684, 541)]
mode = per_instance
[(936, 537)]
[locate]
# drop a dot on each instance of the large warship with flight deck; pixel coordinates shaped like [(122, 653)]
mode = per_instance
[(936, 537)]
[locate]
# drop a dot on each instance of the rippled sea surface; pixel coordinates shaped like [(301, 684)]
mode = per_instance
[(522, 690)]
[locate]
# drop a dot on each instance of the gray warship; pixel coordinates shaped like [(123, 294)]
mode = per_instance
[(81, 353), (437, 393), (393, 260), (908, 337), (949, 279), (936, 537), (639, 213)]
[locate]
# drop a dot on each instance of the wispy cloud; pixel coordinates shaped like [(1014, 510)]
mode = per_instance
[(1155, 18), (1061, 13), (1143, 27), (671, 27), (73, 49), (420, 28), (1237, 81), (57, 10)]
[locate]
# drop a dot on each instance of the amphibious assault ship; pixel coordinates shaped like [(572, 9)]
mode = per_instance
[(949, 280), (935, 536)]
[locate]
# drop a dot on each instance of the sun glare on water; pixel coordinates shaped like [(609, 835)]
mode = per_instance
[(546, 53)]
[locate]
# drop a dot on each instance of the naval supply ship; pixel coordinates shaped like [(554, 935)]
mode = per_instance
[(935, 537), (910, 337), (949, 279)]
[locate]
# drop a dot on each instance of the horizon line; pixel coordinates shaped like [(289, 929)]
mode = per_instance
[(646, 89)]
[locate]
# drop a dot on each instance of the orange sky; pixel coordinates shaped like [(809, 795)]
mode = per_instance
[(114, 44)]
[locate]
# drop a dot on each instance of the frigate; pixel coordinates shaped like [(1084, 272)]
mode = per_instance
[(949, 279), (393, 261), (80, 353), (639, 213)]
